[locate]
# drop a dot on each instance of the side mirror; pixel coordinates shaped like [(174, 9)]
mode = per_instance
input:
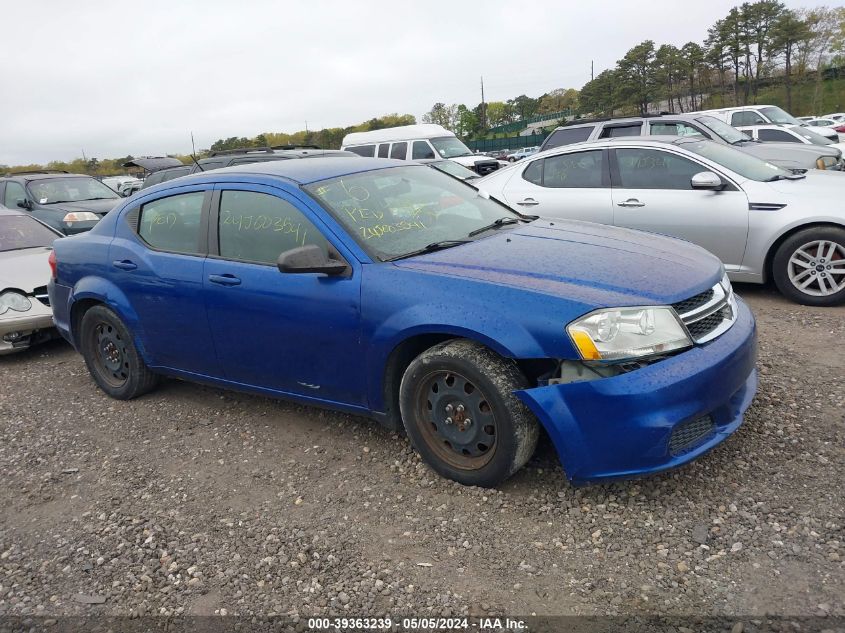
[(309, 259), (707, 180), (23, 203)]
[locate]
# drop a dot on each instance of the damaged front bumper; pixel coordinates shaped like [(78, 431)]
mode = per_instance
[(656, 417), (19, 330)]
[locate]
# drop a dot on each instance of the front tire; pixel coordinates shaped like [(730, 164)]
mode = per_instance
[(459, 411), (111, 357), (809, 267)]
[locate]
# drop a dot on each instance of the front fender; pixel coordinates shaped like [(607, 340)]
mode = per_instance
[(105, 292)]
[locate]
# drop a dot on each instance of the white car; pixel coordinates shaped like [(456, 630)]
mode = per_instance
[(762, 221), (828, 124), (745, 116), (836, 116), (25, 314), (807, 135)]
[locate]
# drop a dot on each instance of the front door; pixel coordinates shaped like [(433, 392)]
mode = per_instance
[(652, 192), (293, 333)]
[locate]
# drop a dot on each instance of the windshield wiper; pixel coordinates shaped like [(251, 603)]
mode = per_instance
[(434, 246), (782, 177), (494, 225), (86, 199)]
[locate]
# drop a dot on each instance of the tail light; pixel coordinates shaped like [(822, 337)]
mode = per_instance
[(52, 261)]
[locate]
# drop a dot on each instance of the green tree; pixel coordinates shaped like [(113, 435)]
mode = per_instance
[(635, 72), (758, 20), (601, 95), (787, 33), (669, 73)]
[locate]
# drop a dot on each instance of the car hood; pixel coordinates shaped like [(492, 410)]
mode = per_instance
[(817, 184), (785, 150), (471, 159), (25, 269), (594, 264), (100, 207)]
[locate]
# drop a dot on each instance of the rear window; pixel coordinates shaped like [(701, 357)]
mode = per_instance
[(621, 130), (363, 150), (19, 231), (567, 136)]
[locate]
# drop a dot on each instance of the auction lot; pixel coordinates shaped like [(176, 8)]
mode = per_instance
[(198, 501)]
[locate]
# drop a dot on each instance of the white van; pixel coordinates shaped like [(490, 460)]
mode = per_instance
[(417, 142), (761, 115)]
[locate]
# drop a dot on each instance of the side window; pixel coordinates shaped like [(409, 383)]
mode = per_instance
[(568, 136), (674, 129), (363, 150), (173, 224), (14, 192), (776, 135), (746, 117), (384, 150), (616, 131), (655, 169), (579, 170), (534, 172), (421, 150), (258, 227), (399, 151)]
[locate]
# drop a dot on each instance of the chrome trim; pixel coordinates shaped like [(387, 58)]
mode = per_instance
[(721, 299)]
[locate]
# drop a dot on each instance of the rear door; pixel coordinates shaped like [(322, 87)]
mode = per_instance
[(573, 185), (652, 192), (157, 260)]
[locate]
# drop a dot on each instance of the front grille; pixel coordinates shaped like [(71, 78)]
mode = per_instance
[(707, 314), (687, 435), (486, 167), (688, 305), (40, 293), (703, 327)]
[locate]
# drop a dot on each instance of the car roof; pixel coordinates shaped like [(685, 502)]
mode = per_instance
[(301, 172), (45, 175)]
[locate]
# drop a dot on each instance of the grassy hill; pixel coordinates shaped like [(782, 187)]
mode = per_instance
[(829, 98)]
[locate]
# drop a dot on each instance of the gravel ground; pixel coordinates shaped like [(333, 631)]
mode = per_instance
[(193, 500)]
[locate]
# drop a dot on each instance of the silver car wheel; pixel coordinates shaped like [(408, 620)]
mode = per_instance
[(818, 268)]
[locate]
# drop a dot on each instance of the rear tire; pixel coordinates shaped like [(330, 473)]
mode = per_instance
[(111, 357), (461, 415), (809, 267)]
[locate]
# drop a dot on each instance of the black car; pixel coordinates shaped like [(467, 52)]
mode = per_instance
[(242, 156), (70, 203)]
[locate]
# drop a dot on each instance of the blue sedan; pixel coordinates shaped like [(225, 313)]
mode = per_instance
[(391, 290)]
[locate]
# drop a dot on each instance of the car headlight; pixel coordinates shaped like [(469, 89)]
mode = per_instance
[(826, 162), (618, 334), (14, 301), (81, 216)]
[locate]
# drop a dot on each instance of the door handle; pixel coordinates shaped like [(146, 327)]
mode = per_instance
[(124, 264), (630, 203), (528, 202), (225, 280)]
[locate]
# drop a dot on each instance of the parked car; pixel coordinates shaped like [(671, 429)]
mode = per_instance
[(453, 169), (392, 290), (241, 156), (805, 118), (828, 124), (70, 203), (836, 116), (125, 186), (25, 315), (417, 142), (762, 221), (758, 115), (800, 136), (522, 153), (786, 155)]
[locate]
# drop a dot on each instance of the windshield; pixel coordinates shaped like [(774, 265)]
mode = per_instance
[(454, 169), (776, 115), (814, 137), (54, 190), (393, 212), (723, 130), (18, 232), (737, 161), (450, 146)]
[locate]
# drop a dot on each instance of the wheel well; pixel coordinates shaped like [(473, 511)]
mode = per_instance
[(770, 256), (77, 312), (409, 349)]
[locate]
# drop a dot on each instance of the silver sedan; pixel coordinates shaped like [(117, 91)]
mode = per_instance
[(25, 314), (764, 222)]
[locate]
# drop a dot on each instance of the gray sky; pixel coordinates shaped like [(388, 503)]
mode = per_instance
[(117, 78)]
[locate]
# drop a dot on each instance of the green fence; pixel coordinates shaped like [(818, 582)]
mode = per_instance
[(516, 126), (511, 142)]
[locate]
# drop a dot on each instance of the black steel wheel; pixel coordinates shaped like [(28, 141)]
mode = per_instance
[(111, 357), (459, 410)]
